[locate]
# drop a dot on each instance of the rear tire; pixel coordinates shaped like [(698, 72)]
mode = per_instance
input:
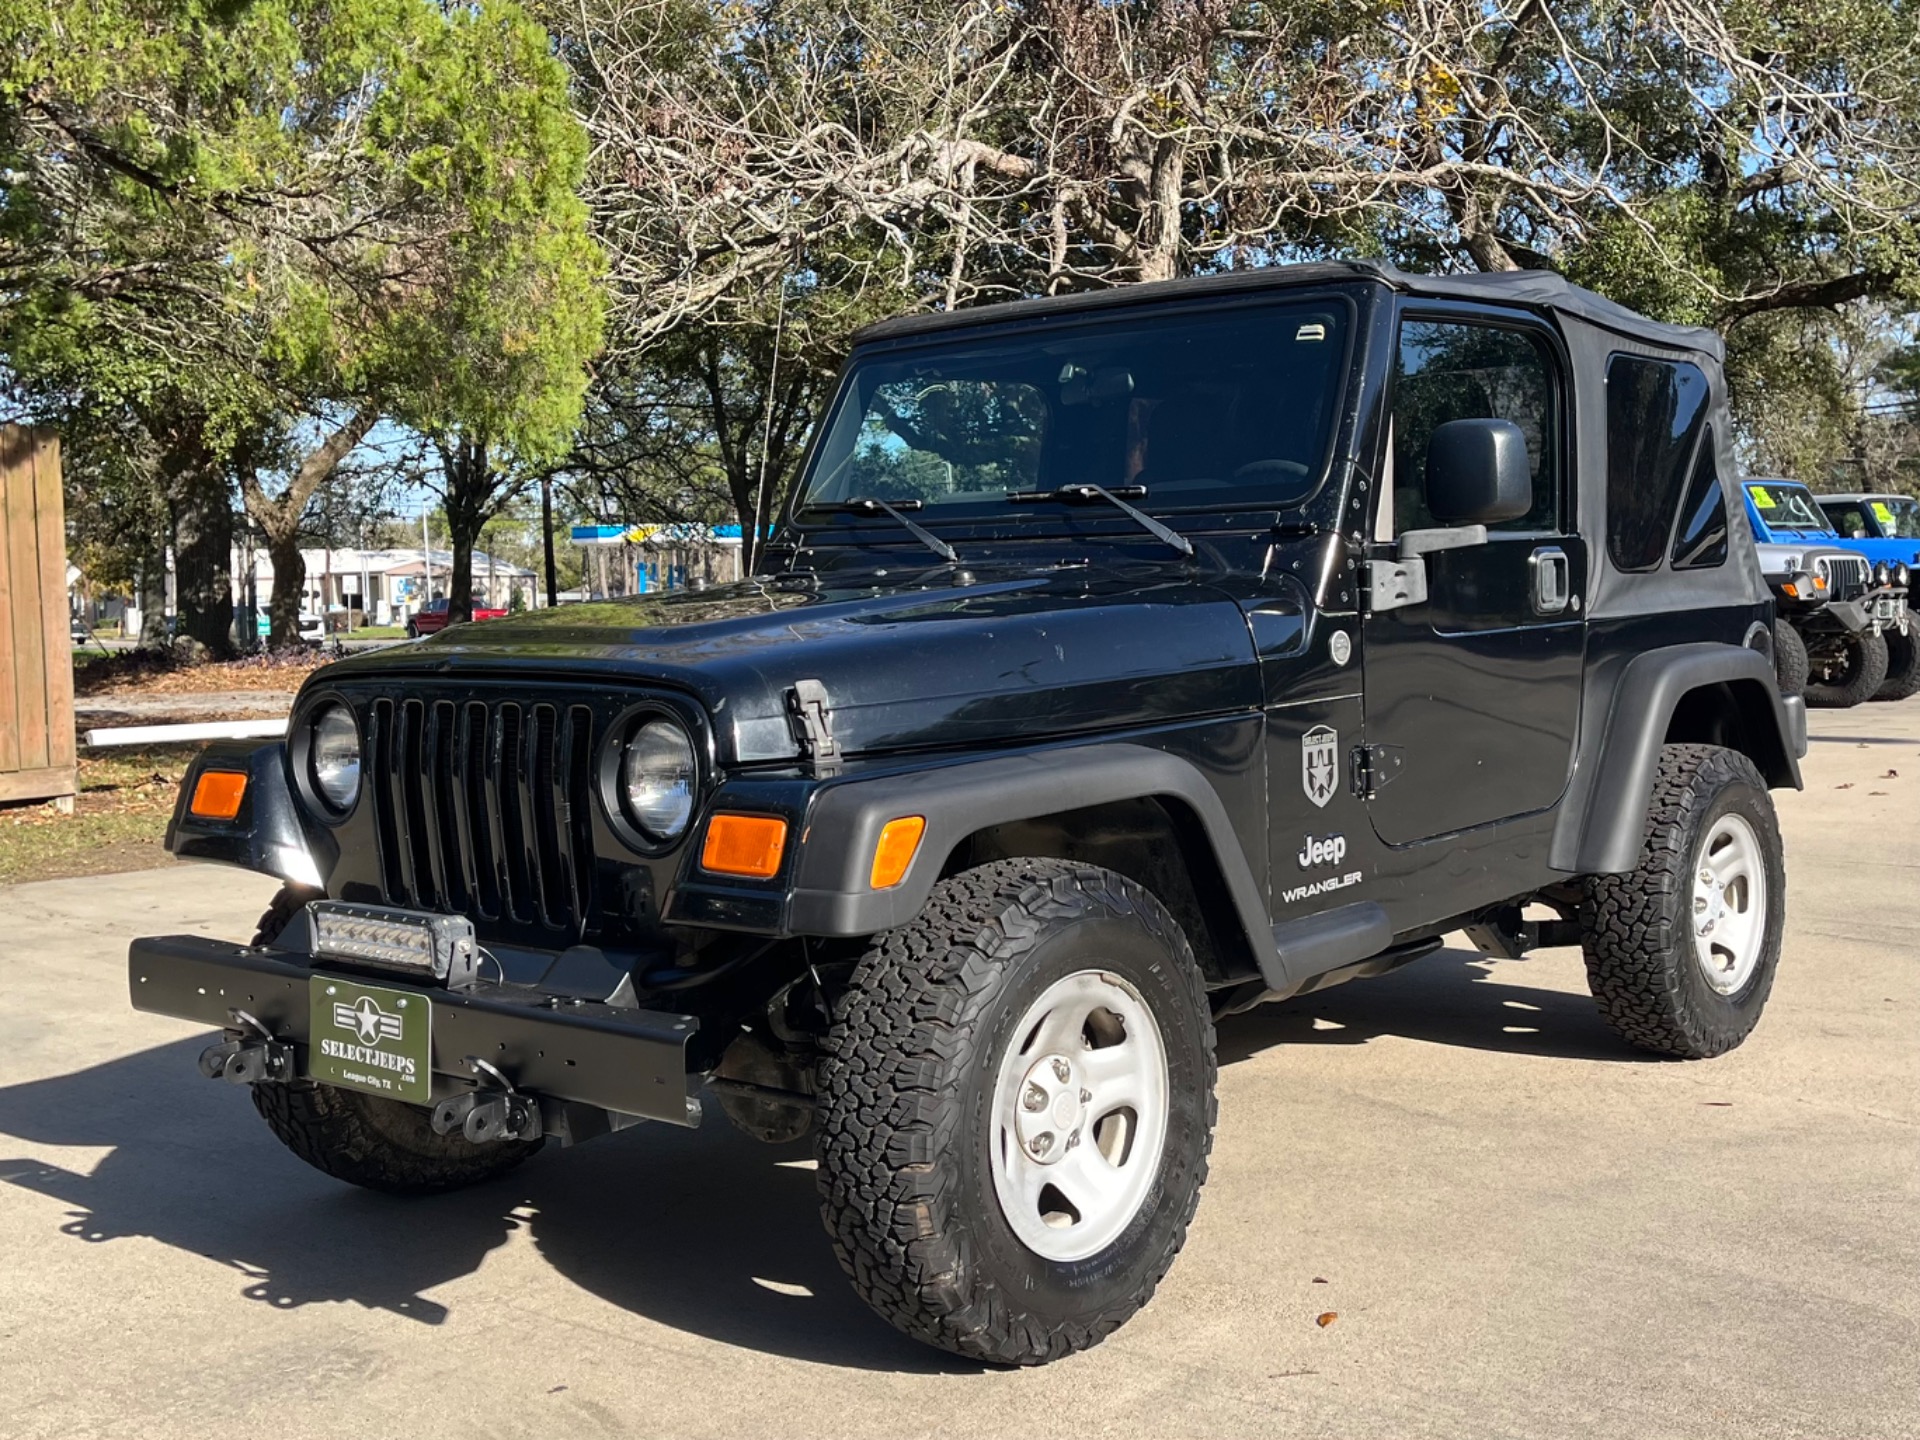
[(363, 1139), (1007, 1187), (1851, 679), (1789, 659), (1903, 665), (1681, 951)]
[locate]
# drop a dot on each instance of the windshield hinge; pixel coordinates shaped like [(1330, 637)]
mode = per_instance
[(1371, 767), (812, 716)]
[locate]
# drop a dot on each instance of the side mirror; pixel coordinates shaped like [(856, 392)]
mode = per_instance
[(1478, 473)]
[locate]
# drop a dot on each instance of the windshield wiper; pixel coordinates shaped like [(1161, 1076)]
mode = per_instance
[(1096, 492), (873, 505)]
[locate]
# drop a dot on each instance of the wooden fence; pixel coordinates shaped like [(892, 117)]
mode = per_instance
[(36, 666)]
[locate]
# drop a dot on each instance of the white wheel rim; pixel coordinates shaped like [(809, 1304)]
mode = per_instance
[(1079, 1116), (1729, 904)]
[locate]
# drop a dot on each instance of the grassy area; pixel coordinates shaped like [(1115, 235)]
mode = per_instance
[(118, 822), (378, 632)]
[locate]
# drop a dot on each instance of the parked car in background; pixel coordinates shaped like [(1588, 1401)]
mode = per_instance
[(1786, 511), (312, 630), (1873, 517), (1819, 607), (1843, 597), (432, 618)]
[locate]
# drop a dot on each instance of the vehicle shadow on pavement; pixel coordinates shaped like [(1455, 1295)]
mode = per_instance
[(1446, 998), (705, 1231)]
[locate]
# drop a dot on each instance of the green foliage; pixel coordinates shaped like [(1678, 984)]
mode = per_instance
[(222, 214)]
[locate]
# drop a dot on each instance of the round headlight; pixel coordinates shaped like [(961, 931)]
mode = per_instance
[(1901, 574), (1882, 575), (657, 778), (333, 756)]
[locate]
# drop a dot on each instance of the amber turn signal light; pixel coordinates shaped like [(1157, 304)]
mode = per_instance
[(749, 845), (218, 793), (899, 839)]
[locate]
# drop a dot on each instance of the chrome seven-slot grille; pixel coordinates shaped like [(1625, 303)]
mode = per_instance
[(483, 808), (1846, 575)]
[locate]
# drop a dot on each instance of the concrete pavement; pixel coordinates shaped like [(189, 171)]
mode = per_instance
[(1524, 1229)]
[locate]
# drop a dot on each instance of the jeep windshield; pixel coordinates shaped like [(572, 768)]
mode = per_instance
[(1899, 516), (1787, 507), (1176, 409)]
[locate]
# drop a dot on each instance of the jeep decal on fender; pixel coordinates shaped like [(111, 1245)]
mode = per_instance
[(1330, 851), (1319, 763), (1322, 887)]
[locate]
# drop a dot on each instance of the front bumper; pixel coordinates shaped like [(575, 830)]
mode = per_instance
[(625, 1061)]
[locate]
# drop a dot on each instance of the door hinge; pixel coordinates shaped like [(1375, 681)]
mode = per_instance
[(1372, 766), (1394, 584), (812, 716)]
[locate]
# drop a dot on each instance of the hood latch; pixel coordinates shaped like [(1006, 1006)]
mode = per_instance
[(812, 716)]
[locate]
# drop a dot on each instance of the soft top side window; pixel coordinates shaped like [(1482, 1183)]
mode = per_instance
[(1656, 420), (1700, 538)]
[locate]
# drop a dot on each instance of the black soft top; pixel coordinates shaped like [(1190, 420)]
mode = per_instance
[(1537, 289)]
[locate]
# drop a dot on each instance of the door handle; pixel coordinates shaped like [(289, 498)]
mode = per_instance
[(1552, 579)]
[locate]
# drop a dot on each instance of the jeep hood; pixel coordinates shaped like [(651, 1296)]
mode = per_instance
[(909, 659)]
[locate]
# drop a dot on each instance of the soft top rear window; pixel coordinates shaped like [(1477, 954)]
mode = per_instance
[(1205, 409)]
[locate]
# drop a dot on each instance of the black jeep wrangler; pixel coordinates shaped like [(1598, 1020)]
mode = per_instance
[(1125, 660)]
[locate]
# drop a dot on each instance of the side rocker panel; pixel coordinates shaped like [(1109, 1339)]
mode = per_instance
[(1623, 726)]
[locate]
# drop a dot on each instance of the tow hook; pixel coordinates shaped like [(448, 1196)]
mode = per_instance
[(487, 1113), (246, 1061)]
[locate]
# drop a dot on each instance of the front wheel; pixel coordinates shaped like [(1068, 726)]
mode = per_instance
[(1903, 665), (1682, 950), (380, 1144), (364, 1139), (1016, 1111), (413, 631), (1848, 671), (1789, 659)]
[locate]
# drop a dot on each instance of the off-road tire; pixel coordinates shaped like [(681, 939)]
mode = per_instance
[(906, 1092), (379, 1144), (1637, 929), (1865, 672), (1903, 665), (363, 1139), (287, 903), (1789, 659)]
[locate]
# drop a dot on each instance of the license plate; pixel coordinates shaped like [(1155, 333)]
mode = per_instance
[(369, 1038)]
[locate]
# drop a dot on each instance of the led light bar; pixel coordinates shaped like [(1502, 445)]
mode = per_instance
[(413, 941)]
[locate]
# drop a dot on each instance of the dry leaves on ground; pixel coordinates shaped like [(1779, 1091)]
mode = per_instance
[(157, 672)]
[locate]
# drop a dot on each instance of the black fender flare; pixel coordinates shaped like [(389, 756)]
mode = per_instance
[(831, 893), (1623, 726), (266, 835)]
